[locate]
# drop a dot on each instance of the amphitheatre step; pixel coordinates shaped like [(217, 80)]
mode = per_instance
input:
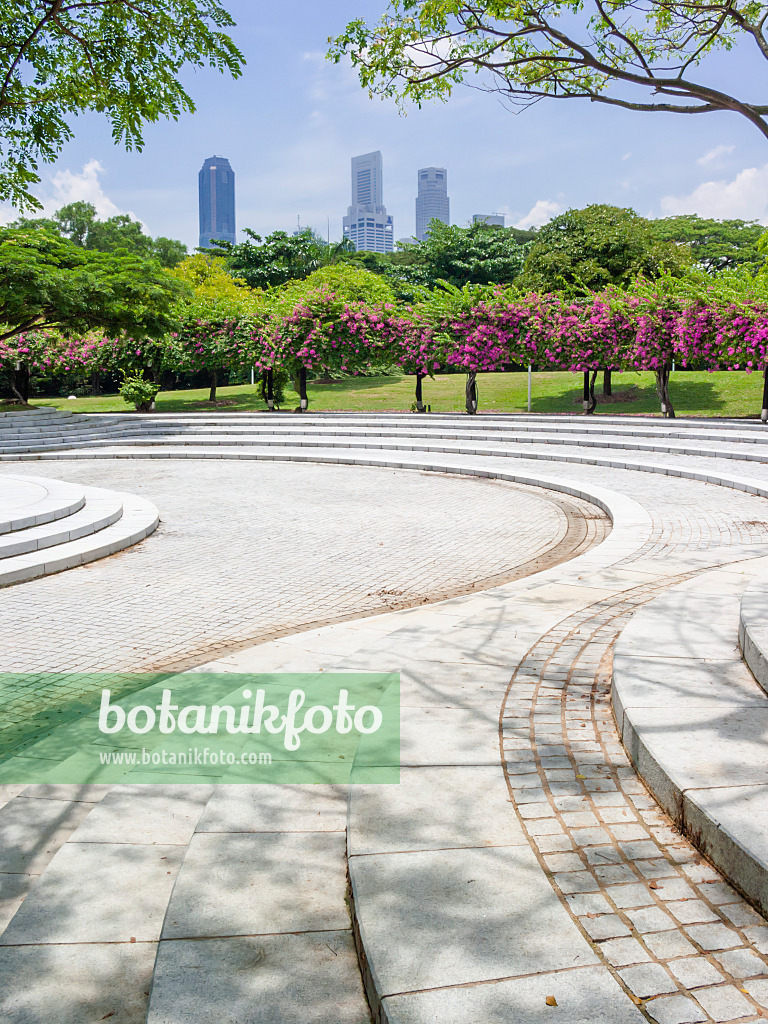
[(31, 501), (102, 509), (693, 720), (138, 520), (458, 441), (753, 629)]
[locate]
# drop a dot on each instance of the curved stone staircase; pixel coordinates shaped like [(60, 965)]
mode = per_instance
[(47, 526)]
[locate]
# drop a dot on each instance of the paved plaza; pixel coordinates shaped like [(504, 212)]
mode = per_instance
[(530, 866)]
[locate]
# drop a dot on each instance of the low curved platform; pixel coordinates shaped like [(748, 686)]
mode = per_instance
[(48, 526)]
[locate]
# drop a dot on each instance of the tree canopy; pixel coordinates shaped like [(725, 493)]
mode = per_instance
[(589, 249), (716, 245), (123, 58), (635, 54), (478, 254), (49, 283), (79, 223), (275, 259)]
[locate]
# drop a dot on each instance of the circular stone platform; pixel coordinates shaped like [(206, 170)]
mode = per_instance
[(248, 552)]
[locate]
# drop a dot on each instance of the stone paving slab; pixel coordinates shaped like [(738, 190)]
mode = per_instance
[(31, 833), (98, 892), (258, 883), (275, 809), (585, 996), (461, 916), (75, 983), (294, 979), (147, 815), (415, 815)]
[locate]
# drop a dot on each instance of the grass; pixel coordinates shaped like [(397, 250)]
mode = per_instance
[(734, 394)]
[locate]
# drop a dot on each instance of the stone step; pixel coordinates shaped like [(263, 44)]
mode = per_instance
[(30, 501), (753, 629), (102, 508), (137, 520), (458, 443), (630, 426), (693, 720)]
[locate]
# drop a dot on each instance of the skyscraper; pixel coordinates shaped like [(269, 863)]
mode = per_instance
[(217, 201), (367, 225), (492, 219), (432, 202)]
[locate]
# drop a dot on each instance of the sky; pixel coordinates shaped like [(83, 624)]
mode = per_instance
[(290, 125)]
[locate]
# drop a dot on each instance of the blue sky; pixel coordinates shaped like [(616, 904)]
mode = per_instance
[(291, 124)]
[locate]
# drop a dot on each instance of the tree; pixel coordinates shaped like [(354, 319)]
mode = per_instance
[(716, 245), (48, 283), (79, 223), (582, 251), (271, 261), (636, 55), (479, 254), (122, 58), (216, 317), (585, 250)]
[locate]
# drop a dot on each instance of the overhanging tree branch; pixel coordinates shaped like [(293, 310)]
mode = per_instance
[(551, 49)]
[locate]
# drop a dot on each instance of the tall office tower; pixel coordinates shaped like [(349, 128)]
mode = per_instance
[(367, 225), (217, 201), (432, 202), (488, 218)]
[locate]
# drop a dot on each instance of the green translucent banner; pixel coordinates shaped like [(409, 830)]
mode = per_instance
[(324, 727)]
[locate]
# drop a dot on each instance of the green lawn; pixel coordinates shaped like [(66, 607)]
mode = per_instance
[(693, 394)]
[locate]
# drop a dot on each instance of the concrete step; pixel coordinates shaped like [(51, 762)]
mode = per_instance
[(102, 509), (459, 442), (753, 629), (139, 518), (30, 501), (694, 719)]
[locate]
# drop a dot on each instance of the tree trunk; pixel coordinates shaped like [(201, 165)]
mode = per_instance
[(589, 401), (270, 389), (20, 382), (419, 403), (607, 389), (470, 393), (662, 386), (214, 382), (303, 400)]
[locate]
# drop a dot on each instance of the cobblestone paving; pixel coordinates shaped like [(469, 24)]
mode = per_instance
[(684, 945), (246, 552)]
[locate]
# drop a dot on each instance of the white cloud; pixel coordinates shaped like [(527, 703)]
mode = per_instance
[(83, 187), (715, 155), (745, 198), (67, 187), (540, 213)]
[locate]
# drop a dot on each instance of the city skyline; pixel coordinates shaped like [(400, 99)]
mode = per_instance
[(216, 202), (529, 167)]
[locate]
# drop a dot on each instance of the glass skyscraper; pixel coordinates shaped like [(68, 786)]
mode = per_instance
[(367, 225), (432, 202), (217, 201)]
